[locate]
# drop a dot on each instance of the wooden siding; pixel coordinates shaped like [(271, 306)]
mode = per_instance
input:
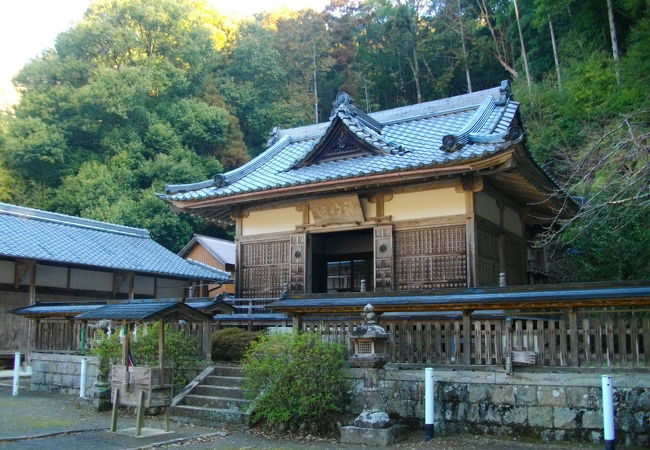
[(264, 268), (200, 254), (499, 251), (434, 257)]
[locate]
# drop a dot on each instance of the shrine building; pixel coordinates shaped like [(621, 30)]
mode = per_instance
[(442, 194)]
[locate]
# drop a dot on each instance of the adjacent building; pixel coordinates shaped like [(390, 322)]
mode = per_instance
[(47, 257)]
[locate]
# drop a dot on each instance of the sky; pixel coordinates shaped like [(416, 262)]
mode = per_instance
[(27, 27)]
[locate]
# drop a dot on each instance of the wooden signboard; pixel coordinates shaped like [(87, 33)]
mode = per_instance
[(155, 382), (343, 209)]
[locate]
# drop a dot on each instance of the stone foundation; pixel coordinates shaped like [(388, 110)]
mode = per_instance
[(548, 405), (54, 372)]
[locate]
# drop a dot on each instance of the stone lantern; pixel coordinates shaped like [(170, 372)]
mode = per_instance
[(373, 426)]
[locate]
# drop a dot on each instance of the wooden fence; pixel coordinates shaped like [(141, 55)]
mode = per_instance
[(568, 339)]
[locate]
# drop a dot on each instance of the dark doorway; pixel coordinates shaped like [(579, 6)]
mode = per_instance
[(341, 260)]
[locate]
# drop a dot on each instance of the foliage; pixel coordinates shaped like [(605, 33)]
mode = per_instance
[(296, 378), (141, 93), (230, 344), (181, 350)]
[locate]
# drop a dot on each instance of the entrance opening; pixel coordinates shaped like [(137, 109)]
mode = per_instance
[(341, 260)]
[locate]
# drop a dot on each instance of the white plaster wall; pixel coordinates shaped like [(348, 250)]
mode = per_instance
[(91, 280), (169, 288), (144, 285), (424, 204), (486, 207), (7, 269), (271, 221), (51, 276)]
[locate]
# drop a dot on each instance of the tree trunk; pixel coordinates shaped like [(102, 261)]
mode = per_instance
[(462, 44), (555, 55), (523, 46), (315, 91), (499, 45), (612, 32)]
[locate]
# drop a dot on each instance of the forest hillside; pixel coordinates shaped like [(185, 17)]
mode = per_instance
[(141, 93)]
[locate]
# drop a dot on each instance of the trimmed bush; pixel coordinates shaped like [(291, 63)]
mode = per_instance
[(296, 379), (230, 344)]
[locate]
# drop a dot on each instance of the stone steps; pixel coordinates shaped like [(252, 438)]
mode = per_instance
[(216, 398)]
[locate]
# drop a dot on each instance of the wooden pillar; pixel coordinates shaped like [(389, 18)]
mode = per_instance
[(126, 343), (161, 343), (32, 301), (72, 336), (207, 340), (573, 335), (467, 338), (297, 323), (131, 285)]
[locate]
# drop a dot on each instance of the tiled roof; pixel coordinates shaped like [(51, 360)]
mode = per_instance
[(45, 236), (144, 311), (405, 138), (223, 250)]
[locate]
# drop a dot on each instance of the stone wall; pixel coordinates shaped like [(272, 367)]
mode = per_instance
[(54, 372), (549, 405)]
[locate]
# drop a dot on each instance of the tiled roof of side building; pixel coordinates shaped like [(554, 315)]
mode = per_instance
[(221, 249), (45, 236), (405, 138)]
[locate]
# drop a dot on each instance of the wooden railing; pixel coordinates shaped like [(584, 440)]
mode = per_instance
[(594, 339)]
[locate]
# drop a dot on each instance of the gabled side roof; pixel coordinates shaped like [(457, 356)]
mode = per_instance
[(58, 238), (223, 250)]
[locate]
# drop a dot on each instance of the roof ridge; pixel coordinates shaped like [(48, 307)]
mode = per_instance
[(65, 219)]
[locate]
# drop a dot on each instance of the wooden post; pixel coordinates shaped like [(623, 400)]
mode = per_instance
[(140, 414), (573, 334), (467, 338), (207, 340), (32, 301), (72, 337), (116, 398), (126, 343), (508, 349), (161, 343), (297, 323), (167, 424), (131, 285)]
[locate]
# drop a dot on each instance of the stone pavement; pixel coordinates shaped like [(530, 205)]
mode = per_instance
[(35, 420)]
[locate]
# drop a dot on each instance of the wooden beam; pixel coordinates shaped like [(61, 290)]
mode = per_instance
[(470, 306), (297, 323)]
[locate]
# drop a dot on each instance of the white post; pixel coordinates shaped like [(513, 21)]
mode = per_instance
[(502, 279), (83, 376), (608, 412), (428, 404), (14, 392)]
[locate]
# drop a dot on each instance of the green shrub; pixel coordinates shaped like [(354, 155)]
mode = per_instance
[(296, 379), (230, 344), (181, 351)]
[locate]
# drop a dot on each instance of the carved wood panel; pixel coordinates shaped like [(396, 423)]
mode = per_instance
[(433, 257), (384, 258), (265, 268), (298, 259)]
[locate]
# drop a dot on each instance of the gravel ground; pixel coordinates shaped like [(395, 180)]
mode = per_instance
[(57, 422)]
